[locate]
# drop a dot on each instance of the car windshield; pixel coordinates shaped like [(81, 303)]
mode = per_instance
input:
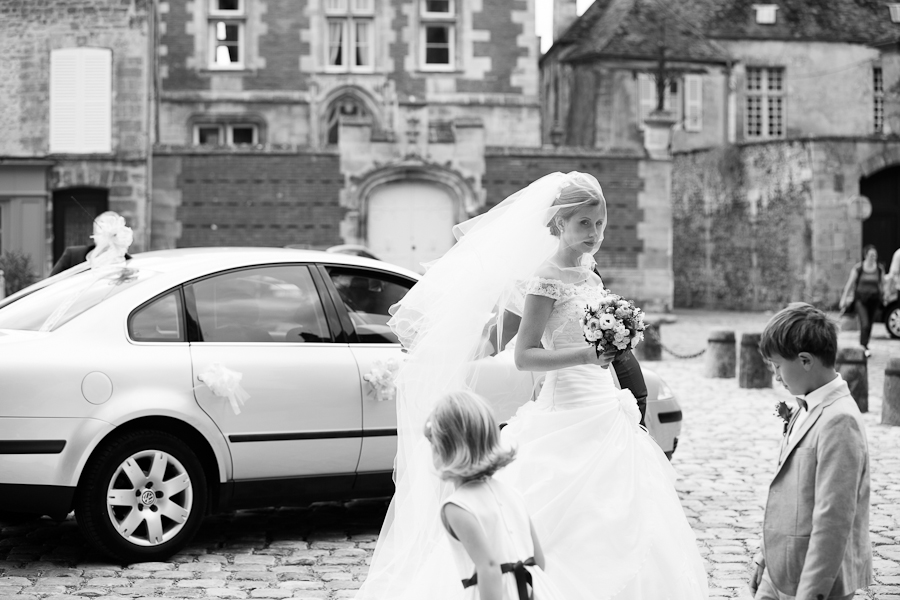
[(54, 305)]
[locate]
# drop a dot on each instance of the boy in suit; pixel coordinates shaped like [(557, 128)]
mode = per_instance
[(815, 542)]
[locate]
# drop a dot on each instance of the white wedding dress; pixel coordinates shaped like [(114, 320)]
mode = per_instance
[(599, 490)]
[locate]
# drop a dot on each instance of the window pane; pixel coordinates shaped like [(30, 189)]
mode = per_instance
[(208, 135), (754, 116), (776, 116), (363, 6), (269, 304), (242, 134), (336, 43), (437, 56), (437, 6), (159, 321), (367, 297), (776, 80), (336, 5), (754, 79), (227, 4), (363, 43), (437, 35)]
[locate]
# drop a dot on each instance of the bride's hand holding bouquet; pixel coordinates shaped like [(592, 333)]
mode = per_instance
[(612, 325)]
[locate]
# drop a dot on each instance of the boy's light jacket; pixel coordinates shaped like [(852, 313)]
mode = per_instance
[(816, 529)]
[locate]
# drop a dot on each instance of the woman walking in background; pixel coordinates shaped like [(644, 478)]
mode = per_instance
[(864, 291)]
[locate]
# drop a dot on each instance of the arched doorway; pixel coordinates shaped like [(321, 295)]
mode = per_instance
[(74, 211), (882, 228), (410, 222)]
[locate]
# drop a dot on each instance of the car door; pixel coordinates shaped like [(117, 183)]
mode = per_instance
[(363, 297), (303, 416)]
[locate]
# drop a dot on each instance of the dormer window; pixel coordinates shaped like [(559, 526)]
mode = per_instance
[(895, 12), (765, 13)]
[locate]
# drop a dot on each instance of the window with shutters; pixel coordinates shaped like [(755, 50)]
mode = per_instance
[(764, 109), (647, 98), (350, 35), (81, 101), (437, 35), (227, 36), (878, 87), (693, 102)]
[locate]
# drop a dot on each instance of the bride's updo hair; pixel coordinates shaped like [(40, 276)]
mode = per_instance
[(579, 189), (465, 438)]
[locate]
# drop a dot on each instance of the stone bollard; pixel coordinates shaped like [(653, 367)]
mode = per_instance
[(651, 347), (890, 406), (851, 364), (721, 355), (754, 372)]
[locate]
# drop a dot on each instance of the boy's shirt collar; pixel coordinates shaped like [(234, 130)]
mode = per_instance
[(817, 396)]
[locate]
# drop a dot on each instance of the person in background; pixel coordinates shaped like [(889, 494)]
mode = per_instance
[(863, 292), (75, 255)]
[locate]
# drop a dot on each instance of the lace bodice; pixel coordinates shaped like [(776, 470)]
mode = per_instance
[(563, 328)]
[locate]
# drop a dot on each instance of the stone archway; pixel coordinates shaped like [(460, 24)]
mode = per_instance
[(407, 211), (882, 228)]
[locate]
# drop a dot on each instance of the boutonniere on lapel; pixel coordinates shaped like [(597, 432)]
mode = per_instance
[(784, 411)]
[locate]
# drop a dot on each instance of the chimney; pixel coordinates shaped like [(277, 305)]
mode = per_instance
[(564, 14)]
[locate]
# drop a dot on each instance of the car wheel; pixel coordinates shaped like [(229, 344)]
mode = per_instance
[(892, 320), (141, 497)]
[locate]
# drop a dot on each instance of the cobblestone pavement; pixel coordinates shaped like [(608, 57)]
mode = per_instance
[(725, 460)]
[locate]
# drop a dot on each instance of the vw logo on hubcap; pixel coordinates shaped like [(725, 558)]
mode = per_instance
[(148, 498)]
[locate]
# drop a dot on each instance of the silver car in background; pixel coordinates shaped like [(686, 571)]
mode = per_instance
[(101, 410)]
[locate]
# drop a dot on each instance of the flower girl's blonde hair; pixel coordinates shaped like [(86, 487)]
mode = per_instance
[(465, 438)]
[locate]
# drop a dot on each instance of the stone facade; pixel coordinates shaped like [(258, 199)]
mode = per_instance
[(29, 32)]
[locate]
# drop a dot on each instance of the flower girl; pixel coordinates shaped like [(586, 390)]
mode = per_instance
[(494, 544)]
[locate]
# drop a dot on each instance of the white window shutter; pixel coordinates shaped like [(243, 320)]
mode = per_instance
[(693, 102), (81, 100), (646, 97)]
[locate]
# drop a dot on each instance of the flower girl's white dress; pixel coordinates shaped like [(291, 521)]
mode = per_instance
[(501, 513), (599, 490)]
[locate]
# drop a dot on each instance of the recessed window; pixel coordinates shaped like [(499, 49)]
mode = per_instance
[(764, 116), (226, 134), (895, 12), (350, 35), (226, 7), (437, 40), (345, 107), (878, 87), (227, 34), (765, 13), (437, 8)]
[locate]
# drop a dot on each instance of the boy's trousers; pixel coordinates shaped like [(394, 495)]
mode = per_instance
[(767, 591)]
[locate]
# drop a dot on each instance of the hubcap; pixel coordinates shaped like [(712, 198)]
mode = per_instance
[(149, 498), (894, 322)]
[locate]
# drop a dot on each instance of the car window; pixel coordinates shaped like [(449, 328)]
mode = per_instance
[(368, 295), (54, 305), (159, 321), (264, 304)]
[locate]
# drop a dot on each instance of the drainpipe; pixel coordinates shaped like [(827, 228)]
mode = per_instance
[(152, 116)]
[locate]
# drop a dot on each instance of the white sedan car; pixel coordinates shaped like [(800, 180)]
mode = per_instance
[(102, 411)]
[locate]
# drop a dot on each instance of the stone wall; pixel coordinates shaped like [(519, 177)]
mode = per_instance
[(246, 198), (635, 258)]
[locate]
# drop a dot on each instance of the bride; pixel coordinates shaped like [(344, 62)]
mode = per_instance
[(600, 492)]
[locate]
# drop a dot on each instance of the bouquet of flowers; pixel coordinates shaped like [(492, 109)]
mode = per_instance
[(612, 323)]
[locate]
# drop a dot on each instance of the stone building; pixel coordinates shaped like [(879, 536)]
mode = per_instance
[(785, 121), (76, 99)]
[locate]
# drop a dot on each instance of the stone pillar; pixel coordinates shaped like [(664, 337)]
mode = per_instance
[(658, 133), (851, 364), (890, 407), (721, 355), (651, 347), (754, 371)]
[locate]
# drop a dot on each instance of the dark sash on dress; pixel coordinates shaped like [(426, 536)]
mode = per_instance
[(523, 577)]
